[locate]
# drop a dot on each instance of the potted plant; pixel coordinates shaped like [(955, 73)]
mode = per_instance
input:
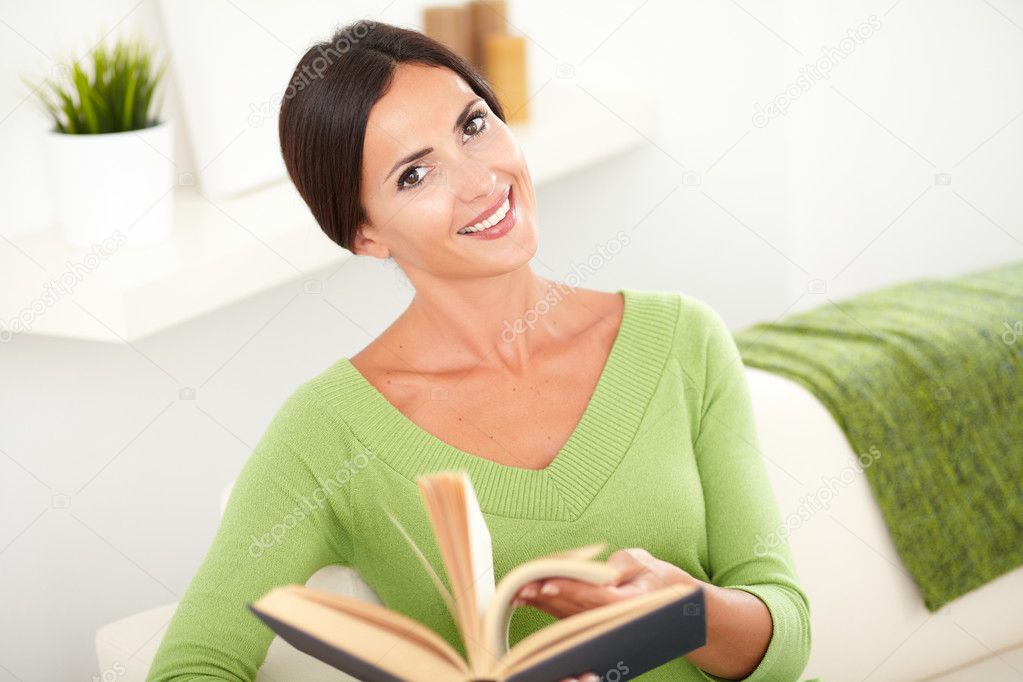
[(110, 158)]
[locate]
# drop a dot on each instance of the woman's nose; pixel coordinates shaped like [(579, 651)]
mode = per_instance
[(473, 179)]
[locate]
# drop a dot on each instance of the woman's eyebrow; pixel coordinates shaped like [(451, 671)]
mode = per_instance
[(459, 120)]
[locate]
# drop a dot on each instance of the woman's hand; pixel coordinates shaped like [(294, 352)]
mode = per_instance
[(640, 572)]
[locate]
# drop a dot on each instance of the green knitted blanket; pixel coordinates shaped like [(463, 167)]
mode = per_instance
[(930, 373)]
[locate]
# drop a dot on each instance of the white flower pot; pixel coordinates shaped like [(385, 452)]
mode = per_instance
[(114, 183)]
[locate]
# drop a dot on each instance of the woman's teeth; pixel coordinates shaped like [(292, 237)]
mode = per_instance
[(497, 217)]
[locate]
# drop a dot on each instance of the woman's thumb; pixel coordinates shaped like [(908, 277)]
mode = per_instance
[(627, 564)]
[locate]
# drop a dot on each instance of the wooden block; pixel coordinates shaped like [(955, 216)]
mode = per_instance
[(488, 17), (452, 26), (504, 57)]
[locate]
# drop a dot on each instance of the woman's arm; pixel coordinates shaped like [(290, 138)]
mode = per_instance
[(738, 631), (280, 526), (758, 628), (758, 618), (739, 624)]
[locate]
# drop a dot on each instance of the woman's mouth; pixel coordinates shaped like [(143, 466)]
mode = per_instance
[(505, 217)]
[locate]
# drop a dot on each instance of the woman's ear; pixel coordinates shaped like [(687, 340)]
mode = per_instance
[(364, 245)]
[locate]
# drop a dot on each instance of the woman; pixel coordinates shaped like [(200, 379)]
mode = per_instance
[(581, 416)]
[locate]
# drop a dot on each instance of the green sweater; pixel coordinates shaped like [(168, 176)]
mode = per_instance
[(664, 457)]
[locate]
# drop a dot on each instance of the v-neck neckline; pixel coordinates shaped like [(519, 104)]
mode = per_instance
[(563, 488)]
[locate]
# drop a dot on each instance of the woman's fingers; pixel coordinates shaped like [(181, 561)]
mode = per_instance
[(520, 596), (630, 562), (528, 591), (587, 677), (563, 597)]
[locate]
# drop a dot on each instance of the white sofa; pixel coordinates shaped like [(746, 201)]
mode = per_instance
[(868, 619)]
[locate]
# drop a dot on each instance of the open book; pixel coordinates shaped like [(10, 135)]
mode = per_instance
[(377, 644)]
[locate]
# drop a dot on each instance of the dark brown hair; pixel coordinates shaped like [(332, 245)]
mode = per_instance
[(325, 108)]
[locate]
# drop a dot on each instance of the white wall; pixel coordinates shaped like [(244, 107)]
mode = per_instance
[(935, 91), (111, 481)]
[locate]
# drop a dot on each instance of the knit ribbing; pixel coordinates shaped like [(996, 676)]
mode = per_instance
[(564, 488)]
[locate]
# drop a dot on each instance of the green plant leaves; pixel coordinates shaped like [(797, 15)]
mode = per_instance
[(109, 91)]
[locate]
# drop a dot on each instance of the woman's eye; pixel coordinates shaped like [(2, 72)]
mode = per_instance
[(409, 173), (477, 128)]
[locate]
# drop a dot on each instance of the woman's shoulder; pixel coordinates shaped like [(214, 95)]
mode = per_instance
[(701, 335), (695, 317), (700, 314), (305, 420)]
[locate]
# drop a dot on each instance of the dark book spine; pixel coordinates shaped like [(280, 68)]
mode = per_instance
[(633, 648), (342, 660)]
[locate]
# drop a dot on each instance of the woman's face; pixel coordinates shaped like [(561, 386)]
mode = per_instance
[(415, 208)]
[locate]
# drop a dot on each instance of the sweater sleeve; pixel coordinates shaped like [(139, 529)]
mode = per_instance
[(281, 524), (746, 548)]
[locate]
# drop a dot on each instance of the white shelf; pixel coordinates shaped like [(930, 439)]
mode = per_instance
[(225, 250)]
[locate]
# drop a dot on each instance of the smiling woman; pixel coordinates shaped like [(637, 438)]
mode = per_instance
[(620, 418), (400, 149)]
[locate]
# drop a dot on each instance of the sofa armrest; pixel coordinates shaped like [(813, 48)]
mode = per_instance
[(126, 647), (867, 616)]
